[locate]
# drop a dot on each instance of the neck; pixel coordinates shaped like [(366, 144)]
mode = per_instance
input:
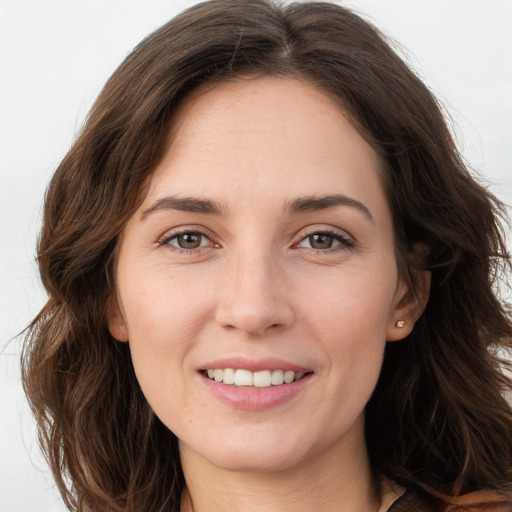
[(332, 481)]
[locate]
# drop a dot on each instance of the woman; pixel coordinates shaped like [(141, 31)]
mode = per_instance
[(271, 282)]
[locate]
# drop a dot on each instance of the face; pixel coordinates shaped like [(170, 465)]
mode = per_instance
[(257, 284)]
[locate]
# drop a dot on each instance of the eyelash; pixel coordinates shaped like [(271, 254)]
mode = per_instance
[(167, 239), (345, 242)]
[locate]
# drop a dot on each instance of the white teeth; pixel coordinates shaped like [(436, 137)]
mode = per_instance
[(289, 376), (277, 377), (229, 376), (260, 379), (243, 378)]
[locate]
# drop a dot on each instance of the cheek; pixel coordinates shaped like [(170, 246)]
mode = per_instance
[(163, 328), (350, 321), (354, 306), (164, 318), (356, 346), (163, 308)]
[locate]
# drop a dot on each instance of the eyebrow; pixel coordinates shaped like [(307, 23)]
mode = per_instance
[(312, 203), (184, 204), (302, 204)]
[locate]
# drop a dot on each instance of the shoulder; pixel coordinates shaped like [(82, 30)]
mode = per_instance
[(411, 501)]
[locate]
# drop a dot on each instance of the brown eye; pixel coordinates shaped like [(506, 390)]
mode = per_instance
[(188, 241), (321, 241), (324, 241)]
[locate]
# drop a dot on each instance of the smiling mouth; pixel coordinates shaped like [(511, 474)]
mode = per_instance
[(260, 379)]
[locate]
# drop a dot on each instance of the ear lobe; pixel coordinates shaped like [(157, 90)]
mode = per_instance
[(115, 320), (409, 307)]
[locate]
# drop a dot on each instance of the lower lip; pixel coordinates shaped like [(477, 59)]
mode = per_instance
[(256, 399)]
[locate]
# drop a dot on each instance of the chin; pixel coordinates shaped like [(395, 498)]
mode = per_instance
[(249, 456), (255, 463)]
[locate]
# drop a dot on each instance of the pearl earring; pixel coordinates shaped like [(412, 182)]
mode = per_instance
[(400, 324)]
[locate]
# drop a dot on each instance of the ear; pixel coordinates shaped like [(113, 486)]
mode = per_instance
[(115, 320), (409, 305)]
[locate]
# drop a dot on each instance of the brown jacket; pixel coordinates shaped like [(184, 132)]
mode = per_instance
[(410, 501)]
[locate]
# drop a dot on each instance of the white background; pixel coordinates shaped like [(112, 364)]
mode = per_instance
[(55, 57)]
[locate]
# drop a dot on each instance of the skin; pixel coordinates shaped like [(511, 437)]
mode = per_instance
[(259, 285)]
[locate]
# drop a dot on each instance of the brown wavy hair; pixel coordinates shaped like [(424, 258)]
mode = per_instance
[(437, 420)]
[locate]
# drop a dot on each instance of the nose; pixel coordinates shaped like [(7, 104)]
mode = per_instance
[(253, 296)]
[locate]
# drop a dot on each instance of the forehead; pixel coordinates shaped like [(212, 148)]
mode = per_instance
[(270, 137)]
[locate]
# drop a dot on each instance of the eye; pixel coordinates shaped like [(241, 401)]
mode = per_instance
[(325, 240), (188, 240), (318, 241)]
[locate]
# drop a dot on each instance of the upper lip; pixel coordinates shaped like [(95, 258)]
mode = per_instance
[(254, 365)]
